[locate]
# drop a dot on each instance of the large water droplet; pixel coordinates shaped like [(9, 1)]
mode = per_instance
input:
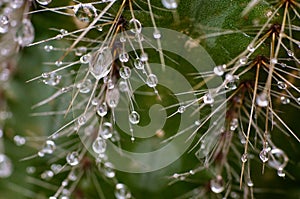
[(43, 2), (73, 158), (217, 185), (99, 145), (85, 12), (5, 166), (134, 117), (169, 4), (101, 63), (122, 192), (112, 97), (231, 81), (25, 33)]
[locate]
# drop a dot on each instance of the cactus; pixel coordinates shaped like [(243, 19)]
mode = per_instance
[(152, 99)]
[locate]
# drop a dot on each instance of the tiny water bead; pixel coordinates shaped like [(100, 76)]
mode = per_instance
[(51, 79), (81, 120), (85, 12), (81, 50), (108, 170), (123, 86), (243, 60), (281, 85), (73, 158), (47, 175), (244, 157), (5, 166), (262, 100), (124, 57), (208, 99), (233, 124), (152, 80), (219, 70), (134, 117), (284, 100), (181, 109), (49, 147), (101, 63), (135, 26), (217, 184), (231, 81), (156, 34), (84, 59), (251, 48), (43, 2), (125, 72), (85, 86), (15, 4), (144, 57), (264, 155), (4, 24), (106, 130), (25, 33), (169, 4), (48, 48), (99, 145), (138, 64), (19, 140), (102, 109), (122, 192)]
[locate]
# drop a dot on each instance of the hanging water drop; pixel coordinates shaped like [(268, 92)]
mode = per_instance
[(156, 34), (51, 79), (243, 60), (123, 57), (152, 80), (264, 155), (262, 100), (73, 158), (122, 192), (81, 50), (49, 147), (19, 140), (85, 86), (281, 85), (208, 99), (102, 109), (108, 170), (43, 2), (244, 157), (81, 120), (85, 12), (123, 86), (169, 4), (280, 172), (101, 63), (125, 72), (25, 33), (4, 24), (219, 70), (284, 100), (278, 159), (181, 109), (138, 64), (99, 145), (135, 26), (106, 130), (134, 117), (5, 166), (217, 184), (112, 98), (84, 59), (48, 48)]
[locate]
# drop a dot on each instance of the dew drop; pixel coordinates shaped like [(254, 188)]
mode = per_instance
[(101, 63), (273, 61), (251, 48), (233, 124), (108, 170), (208, 99), (47, 175), (49, 147), (43, 2), (25, 33), (284, 100), (250, 183), (99, 145), (290, 53), (281, 85), (81, 120), (73, 158), (278, 159), (244, 157), (106, 130), (56, 168), (125, 72), (5, 166), (19, 140), (85, 86), (169, 4), (152, 80), (134, 117), (264, 155), (231, 82), (112, 98), (280, 172), (156, 34), (84, 59), (138, 64), (51, 79), (124, 57), (15, 4), (135, 26), (122, 192), (85, 12), (81, 50), (261, 100), (123, 86), (219, 70), (4, 24), (181, 109), (243, 60), (102, 109), (48, 48), (144, 57), (217, 185)]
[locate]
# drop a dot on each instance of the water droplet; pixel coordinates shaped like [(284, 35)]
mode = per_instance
[(284, 100), (208, 99), (58, 63), (52, 197), (122, 192), (106, 130), (25, 33), (264, 155), (233, 124), (102, 109), (43, 2), (152, 80), (51, 79), (5, 166), (85, 87), (135, 26), (123, 86), (169, 4), (281, 85), (278, 159), (134, 117), (261, 100), (156, 34), (15, 4), (81, 50), (112, 98), (251, 48), (244, 157), (4, 24), (85, 12), (290, 53), (144, 57), (217, 185), (48, 48), (123, 57), (101, 63), (81, 120), (273, 61), (219, 70), (49, 147), (30, 170), (280, 172), (108, 170), (47, 175), (231, 81), (250, 183), (99, 145), (181, 109), (243, 60), (125, 72), (73, 158), (84, 59), (138, 64), (56, 168), (19, 140)]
